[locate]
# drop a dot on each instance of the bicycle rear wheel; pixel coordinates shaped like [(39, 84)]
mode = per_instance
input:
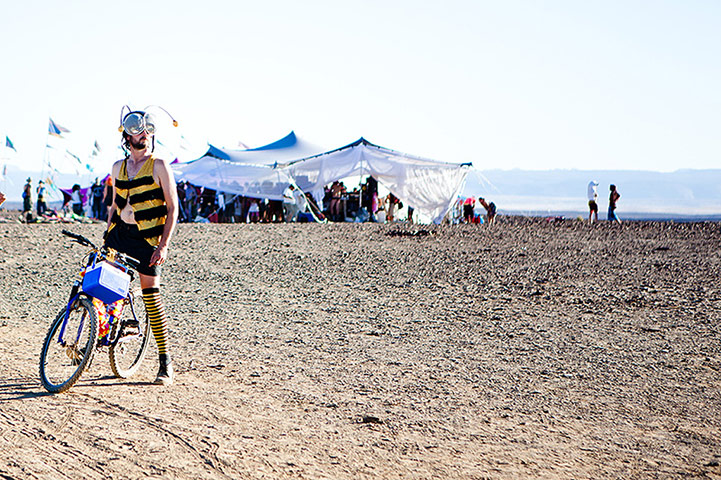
[(69, 346), (132, 334)]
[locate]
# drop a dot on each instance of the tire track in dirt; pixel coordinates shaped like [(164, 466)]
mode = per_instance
[(72, 443), (51, 453), (210, 459)]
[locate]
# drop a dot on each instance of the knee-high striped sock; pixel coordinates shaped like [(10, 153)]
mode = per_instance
[(156, 315)]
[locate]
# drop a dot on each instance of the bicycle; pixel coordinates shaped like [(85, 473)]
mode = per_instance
[(87, 323)]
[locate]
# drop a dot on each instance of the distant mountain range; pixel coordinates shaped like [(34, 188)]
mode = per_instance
[(692, 194)]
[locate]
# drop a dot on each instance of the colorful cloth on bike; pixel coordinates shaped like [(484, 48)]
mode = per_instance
[(146, 199)]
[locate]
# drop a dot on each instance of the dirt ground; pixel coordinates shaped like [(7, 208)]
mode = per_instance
[(528, 349)]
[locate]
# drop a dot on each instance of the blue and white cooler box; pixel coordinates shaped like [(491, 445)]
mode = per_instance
[(106, 282)]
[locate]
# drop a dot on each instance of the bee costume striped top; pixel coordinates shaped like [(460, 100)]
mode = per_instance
[(146, 199)]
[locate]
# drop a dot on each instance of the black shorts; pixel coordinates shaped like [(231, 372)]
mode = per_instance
[(126, 238), (593, 206)]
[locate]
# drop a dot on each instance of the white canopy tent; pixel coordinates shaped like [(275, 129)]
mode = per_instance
[(429, 186), (286, 149)]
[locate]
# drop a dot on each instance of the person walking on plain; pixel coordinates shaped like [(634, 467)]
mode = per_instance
[(290, 204), (612, 199), (42, 207), (592, 201), (28, 200)]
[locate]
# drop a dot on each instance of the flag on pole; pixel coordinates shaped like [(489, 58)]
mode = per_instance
[(56, 130), (77, 159), (8, 143)]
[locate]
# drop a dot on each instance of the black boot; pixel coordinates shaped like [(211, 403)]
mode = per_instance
[(165, 372)]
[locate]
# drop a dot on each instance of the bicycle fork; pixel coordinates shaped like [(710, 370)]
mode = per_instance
[(74, 296)]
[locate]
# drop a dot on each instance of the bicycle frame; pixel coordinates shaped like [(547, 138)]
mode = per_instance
[(76, 291)]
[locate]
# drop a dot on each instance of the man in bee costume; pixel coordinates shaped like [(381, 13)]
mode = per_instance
[(143, 216)]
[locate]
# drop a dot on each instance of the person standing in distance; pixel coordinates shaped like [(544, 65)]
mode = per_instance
[(142, 219), (612, 199), (108, 197), (490, 210), (28, 200), (592, 198), (98, 191), (42, 207)]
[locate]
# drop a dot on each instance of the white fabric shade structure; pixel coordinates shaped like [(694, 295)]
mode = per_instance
[(286, 149), (429, 186)]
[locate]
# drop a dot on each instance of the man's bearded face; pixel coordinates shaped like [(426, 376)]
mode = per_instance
[(139, 142)]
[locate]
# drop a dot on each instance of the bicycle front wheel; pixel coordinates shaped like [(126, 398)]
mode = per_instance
[(132, 335), (69, 346)]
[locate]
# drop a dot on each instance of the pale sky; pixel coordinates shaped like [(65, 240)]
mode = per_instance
[(527, 84)]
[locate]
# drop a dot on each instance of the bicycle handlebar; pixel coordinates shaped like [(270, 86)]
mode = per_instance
[(122, 258), (133, 263), (79, 238)]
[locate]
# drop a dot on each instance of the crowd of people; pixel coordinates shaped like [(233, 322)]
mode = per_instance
[(334, 203), (77, 201)]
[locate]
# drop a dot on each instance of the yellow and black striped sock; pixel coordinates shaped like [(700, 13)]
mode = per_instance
[(156, 315)]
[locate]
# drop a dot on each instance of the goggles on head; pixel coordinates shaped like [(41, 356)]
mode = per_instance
[(136, 123)]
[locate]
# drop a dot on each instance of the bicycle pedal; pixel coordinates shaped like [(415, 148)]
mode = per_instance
[(130, 327)]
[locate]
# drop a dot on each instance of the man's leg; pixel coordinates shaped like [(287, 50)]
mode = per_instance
[(159, 325)]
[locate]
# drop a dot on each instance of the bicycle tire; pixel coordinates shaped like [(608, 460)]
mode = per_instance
[(128, 351), (63, 361)]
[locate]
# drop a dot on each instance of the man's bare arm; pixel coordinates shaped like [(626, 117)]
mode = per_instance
[(164, 174)]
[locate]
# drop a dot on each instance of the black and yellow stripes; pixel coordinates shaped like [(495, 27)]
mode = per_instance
[(138, 181), (156, 316), (145, 197)]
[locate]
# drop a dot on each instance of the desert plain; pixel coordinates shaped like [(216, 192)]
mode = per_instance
[(525, 349)]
